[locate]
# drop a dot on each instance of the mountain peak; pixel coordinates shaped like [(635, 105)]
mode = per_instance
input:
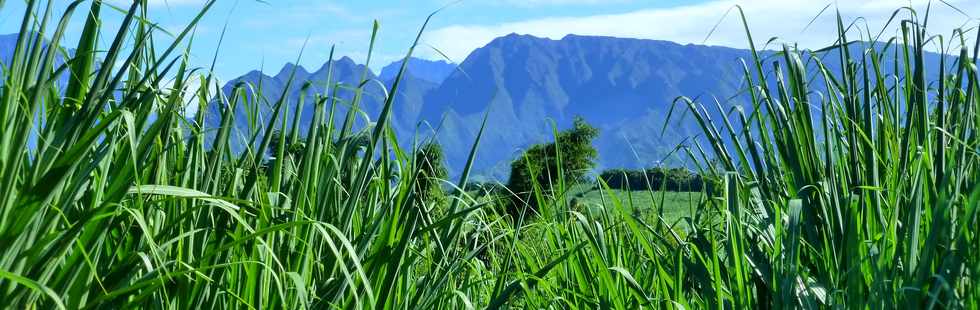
[(623, 86), (434, 71), (345, 60), (514, 37), (288, 69)]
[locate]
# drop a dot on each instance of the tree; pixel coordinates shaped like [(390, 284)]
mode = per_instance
[(656, 179), (431, 168), (543, 166)]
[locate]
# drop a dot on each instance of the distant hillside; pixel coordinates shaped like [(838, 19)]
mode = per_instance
[(8, 42), (346, 72), (623, 86), (428, 70)]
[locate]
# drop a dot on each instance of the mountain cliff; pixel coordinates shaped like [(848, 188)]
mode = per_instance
[(625, 87), (527, 85)]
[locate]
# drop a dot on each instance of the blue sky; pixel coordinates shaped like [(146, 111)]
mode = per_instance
[(267, 35)]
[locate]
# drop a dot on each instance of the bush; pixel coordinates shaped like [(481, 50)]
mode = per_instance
[(293, 145), (484, 188), (542, 166), (668, 179), (431, 168)]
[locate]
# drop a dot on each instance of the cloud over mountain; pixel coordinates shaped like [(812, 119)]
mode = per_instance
[(786, 19)]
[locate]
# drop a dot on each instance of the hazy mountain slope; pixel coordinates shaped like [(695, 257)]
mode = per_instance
[(428, 70), (623, 86), (8, 43), (626, 87), (345, 71)]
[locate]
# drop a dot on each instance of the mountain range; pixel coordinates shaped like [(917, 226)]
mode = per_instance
[(525, 85), (528, 85)]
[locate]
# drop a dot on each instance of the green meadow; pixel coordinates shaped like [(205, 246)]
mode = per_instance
[(843, 187)]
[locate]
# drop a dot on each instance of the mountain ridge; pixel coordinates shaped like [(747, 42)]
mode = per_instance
[(526, 85), (624, 86)]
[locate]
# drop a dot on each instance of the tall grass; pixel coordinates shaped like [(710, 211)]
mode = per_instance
[(869, 203)]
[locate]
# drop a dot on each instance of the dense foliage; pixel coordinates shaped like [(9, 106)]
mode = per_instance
[(657, 179), (288, 145), (869, 201), (432, 173), (485, 188), (543, 166)]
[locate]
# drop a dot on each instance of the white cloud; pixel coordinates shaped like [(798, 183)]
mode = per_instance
[(785, 19), (285, 15)]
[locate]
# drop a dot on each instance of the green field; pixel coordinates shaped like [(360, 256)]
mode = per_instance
[(112, 197), (672, 206)]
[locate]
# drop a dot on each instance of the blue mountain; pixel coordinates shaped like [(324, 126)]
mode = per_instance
[(8, 45), (526, 85), (428, 70), (625, 87), (8, 42)]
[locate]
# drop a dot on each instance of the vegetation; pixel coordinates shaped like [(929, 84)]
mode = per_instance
[(676, 209), (289, 144), (432, 171), (656, 179), (544, 167), (869, 203), (484, 188), (854, 187)]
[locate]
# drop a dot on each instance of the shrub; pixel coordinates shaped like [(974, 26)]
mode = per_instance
[(543, 166), (484, 188), (431, 168), (668, 179), (294, 146)]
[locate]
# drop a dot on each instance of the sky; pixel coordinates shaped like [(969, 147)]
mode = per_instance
[(270, 33)]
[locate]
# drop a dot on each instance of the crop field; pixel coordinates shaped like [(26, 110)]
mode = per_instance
[(851, 186), (674, 207)]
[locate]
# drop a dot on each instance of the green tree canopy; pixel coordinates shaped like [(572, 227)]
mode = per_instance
[(544, 166), (659, 178), (430, 164)]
